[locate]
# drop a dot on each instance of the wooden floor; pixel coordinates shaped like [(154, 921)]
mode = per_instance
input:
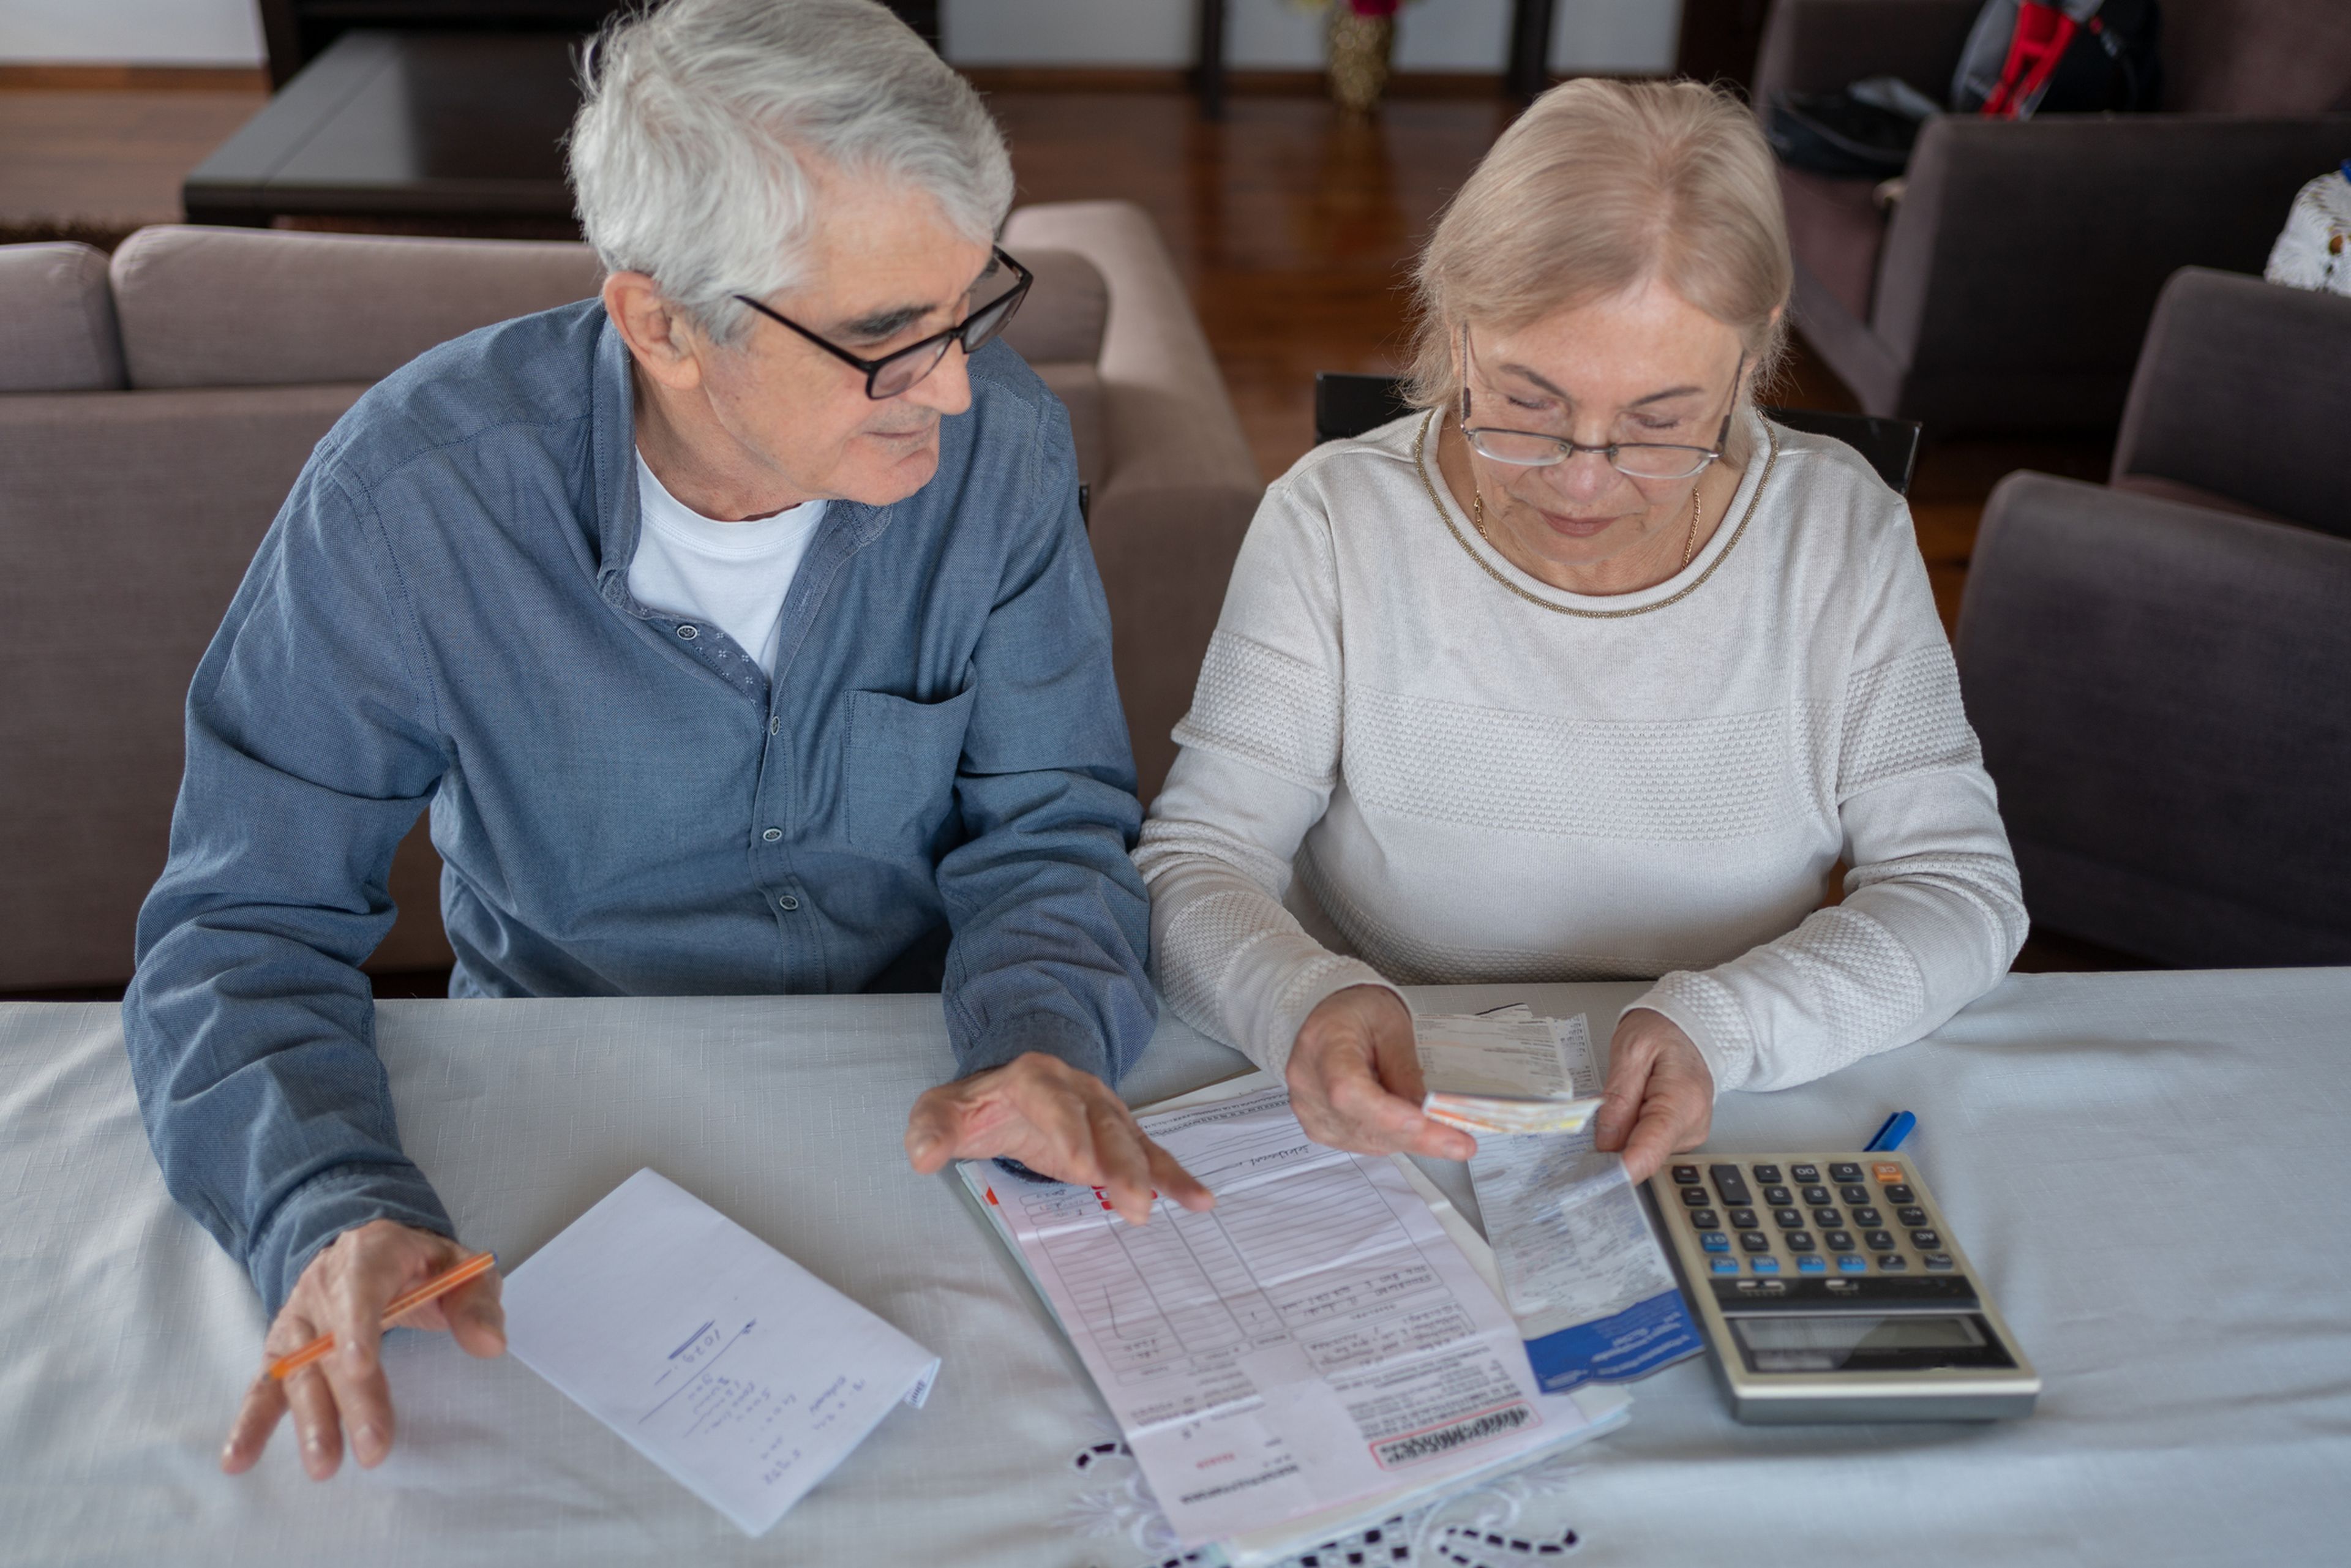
[(106, 161), (1294, 224)]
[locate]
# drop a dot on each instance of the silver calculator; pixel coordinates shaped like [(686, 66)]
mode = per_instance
[(1831, 1290)]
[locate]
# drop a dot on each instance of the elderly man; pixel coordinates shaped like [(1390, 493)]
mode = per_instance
[(740, 630)]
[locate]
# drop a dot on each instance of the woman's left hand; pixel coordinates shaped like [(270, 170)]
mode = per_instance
[(1660, 1093)]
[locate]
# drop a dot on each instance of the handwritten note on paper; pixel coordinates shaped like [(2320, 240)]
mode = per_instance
[(740, 1373)]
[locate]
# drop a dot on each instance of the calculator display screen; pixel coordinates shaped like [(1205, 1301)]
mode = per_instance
[(1860, 1342)]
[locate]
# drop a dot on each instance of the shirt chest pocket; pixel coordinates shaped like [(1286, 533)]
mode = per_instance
[(902, 761)]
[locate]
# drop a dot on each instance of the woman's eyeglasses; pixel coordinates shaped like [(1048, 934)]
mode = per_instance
[(1633, 459)]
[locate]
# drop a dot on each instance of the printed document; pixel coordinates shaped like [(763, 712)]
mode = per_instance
[(1583, 1273), (718, 1358), (1313, 1340)]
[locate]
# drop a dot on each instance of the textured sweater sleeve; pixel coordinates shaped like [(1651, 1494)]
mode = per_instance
[(1932, 913), (1259, 758)]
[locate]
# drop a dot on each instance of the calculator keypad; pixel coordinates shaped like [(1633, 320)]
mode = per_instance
[(1806, 1226)]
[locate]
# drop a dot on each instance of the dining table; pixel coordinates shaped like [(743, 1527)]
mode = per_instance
[(2150, 1172)]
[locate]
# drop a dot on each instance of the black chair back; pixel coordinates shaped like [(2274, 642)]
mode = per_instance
[(1349, 403)]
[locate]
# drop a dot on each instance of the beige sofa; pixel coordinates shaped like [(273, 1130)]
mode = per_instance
[(154, 411)]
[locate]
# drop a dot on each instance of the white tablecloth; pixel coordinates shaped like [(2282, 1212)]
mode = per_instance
[(2150, 1169)]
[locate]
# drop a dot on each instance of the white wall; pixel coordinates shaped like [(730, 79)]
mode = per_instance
[(131, 32), (1433, 34)]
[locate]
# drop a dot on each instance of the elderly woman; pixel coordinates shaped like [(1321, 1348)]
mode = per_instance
[(1586, 672)]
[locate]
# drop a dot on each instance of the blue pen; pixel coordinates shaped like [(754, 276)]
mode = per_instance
[(1889, 1137)]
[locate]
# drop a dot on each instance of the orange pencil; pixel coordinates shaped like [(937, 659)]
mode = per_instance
[(473, 1268)]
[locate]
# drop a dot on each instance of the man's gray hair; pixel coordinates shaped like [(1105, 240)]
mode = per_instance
[(690, 155)]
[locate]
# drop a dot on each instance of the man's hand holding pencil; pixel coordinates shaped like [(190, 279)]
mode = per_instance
[(345, 1294)]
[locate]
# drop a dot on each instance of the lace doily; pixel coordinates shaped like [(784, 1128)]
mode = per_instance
[(1499, 1524)]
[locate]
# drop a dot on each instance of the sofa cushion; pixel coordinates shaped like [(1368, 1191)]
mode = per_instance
[(1835, 229), (2172, 490), (221, 306), (57, 320), (2158, 692), (1062, 319), (2240, 393), (127, 521)]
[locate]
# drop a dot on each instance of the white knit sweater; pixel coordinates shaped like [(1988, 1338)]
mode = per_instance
[(1474, 775)]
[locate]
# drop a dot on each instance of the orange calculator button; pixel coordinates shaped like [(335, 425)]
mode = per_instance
[(1887, 1170)]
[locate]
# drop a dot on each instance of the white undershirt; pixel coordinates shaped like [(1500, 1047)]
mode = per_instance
[(733, 576)]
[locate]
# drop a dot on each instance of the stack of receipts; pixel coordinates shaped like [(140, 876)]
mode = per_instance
[(1583, 1271), (718, 1358), (1318, 1351), (1502, 1074)]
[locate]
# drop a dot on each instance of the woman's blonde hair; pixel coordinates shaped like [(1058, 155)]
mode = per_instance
[(1597, 187)]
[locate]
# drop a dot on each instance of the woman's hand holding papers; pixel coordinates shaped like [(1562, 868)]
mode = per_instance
[(1659, 1098), (343, 1291), (1057, 1121), (1355, 1080)]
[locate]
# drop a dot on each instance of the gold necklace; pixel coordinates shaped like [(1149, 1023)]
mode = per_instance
[(1477, 518)]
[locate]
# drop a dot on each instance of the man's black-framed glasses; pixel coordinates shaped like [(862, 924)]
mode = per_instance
[(1633, 459), (895, 372)]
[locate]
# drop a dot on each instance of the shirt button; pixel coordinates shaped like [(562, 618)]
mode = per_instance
[(787, 903), (687, 634), (772, 834), (775, 725)]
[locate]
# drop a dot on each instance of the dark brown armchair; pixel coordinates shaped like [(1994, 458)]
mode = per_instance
[(2159, 667), (2008, 288)]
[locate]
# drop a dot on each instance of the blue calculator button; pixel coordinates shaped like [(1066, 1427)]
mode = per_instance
[(1767, 1265), (1849, 1264), (1812, 1264), (1725, 1265), (1714, 1241)]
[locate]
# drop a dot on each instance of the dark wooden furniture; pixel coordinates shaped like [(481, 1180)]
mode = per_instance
[(446, 114), (1719, 41), (459, 127), (300, 31), (1348, 403)]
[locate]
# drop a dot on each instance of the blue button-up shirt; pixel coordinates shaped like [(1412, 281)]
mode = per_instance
[(623, 802)]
